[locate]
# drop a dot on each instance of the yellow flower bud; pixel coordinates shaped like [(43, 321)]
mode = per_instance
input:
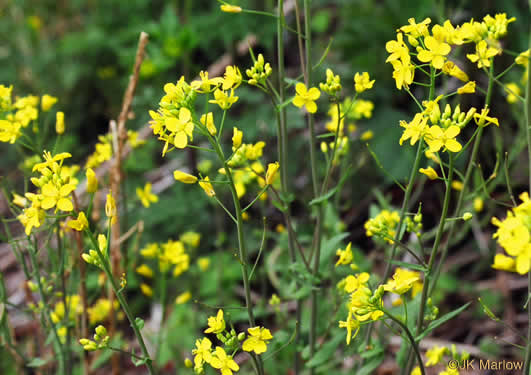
[(468, 88), (271, 173), (110, 206), (184, 177), (47, 102), (188, 363), (60, 122), (92, 181), (467, 216), (430, 172), (237, 138), (230, 8), (207, 187)]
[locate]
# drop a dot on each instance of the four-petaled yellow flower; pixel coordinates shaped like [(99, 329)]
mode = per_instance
[(232, 78), (483, 120), (345, 256), (223, 100), (402, 281), (223, 362), (80, 224), (258, 340), (435, 53), (362, 82), (306, 97), (403, 73), (483, 54), (414, 129), (146, 196), (216, 324), (203, 351), (438, 138), (468, 88), (181, 127), (58, 197), (352, 324)]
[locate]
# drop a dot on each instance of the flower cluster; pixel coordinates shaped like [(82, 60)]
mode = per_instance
[(385, 224), (101, 340), (434, 46), (64, 316), (257, 340), (54, 191), (104, 151), (514, 237)]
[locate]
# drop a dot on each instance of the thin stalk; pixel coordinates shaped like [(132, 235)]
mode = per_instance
[(527, 361), (123, 303), (242, 251), (57, 340), (283, 154), (411, 339), (462, 193)]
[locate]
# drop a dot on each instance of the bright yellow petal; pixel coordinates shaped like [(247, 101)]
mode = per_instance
[(311, 107), (181, 140)]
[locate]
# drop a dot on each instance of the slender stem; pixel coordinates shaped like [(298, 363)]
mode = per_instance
[(462, 193), (60, 351), (410, 337), (123, 303)]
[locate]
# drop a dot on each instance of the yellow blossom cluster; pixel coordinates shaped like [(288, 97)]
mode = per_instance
[(54, 191), (433, 46), (104, 151), (256, 341), (514, 237)]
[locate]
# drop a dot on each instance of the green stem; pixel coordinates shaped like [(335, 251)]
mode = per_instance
[(412, 341), (60, 350), (123, 303), (462, 193)]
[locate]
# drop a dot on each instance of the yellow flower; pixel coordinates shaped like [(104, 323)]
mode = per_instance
[(483, 54), (146, 196), (483, 120), (223, 362), (435, 53), (230, 8), (258, 340), (203, 263), (183, 298), (184, 177), (236, 138), (146, 290), (204, 85), (430, 172), (182, 128), (216, 324), (9, 131), (223, 100), (144, 270), (362, 82), (478, 204), (59, 122), (367, 135), (80, 223), (271, 173), (31, 217), (100, 310), (345, 256), (416, 371), (232, 78), (47, 102), (57, 196), (416, 30), (110, 207), (305, 97), (403, 73), (203, 351), (398, 50), (352, 324), (468, 88), (353, 283), (504, 263), (190, 238), (207, 187), (522, 58), (467, 216), (513, 92), (208, 121), (414, 130), (92, 181), (438, 138), (453, 70), (457, 185), (402, 281)]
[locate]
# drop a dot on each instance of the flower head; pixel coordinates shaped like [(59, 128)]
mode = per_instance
[(306, 97), (216, 324), (257, 341), (362, 82), (438, 138), (435, 53), (223, 362), (146, 196)]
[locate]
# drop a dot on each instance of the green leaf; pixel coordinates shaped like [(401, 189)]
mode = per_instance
[(371, 365), (139, 323), (326, 352), (443, 319), (324, 197), (36, 362)]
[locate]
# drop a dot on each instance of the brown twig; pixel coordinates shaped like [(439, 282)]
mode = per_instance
[(119, 133)]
